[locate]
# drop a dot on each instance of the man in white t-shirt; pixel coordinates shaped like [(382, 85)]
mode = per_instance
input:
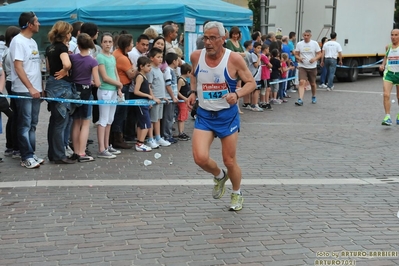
[(332, 50), (307, 52), (26, 80)]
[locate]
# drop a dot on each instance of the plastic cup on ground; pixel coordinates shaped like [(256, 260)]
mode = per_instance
[(147, 162)]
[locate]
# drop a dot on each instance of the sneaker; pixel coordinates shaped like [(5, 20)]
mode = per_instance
[(152, 144), (183, 137), (142, 147), (284, 101), (106, 154), (248, 107), (236, 202), (88, 152), (275, 101), (68, 151), (162, 142), (30, 163), (387, 121), (268, 107), (314, 101), (8, 152), (172, 140), (256, 108), (113, 150), (74, 157), (299, 102), (322, 86), (85, 158), (397, 119), (16, 154), (218, 188), (37, 159), (245, 104)]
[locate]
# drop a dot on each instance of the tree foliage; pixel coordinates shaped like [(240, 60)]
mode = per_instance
[(396, 18), (254, 5)]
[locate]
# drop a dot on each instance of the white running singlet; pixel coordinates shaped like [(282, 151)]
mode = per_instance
[(213, 83)]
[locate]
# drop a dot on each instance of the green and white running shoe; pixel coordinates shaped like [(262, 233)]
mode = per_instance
[(218, 188), (236, 202)]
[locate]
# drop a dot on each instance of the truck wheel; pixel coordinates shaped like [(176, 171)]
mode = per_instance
[(353, 70)]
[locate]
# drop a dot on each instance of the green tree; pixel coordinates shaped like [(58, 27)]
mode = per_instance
[(396, 18), (254, 5)]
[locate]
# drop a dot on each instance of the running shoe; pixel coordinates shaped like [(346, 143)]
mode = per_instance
[(256, 108), (387, 121), (299, 102), (268, 107), (37, 159), (30, 163), (142, 147), (8, 152), (85, 158), (106, 154), (152, 144), (323, 86), (219, 188), (314, 101), (113, 150), (236, 202), (397, 119), (16, 154), (162, 142), (183, 137)]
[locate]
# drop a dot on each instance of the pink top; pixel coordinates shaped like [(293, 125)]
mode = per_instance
[(284, 74), (264, 61)]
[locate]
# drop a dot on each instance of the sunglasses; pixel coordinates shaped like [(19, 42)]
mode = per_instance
[(32, 15)]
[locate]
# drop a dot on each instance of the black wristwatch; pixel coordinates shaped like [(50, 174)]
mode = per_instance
[(195, 92)]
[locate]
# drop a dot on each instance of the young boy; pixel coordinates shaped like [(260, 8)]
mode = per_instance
[(184, 90), (275, 75), (265, 90), (157, 84), (172, 59), (256, 73), (248, 60)]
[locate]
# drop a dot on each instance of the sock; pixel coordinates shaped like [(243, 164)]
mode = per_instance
[(388, 115), (157, 137), (237, 192), (150, 139), (220, 175)]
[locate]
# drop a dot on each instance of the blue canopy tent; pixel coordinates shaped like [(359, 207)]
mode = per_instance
[(132, 13), (48, 14), (144, 12)]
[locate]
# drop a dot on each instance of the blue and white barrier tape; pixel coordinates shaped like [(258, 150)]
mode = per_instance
[(363, 66), (91, 102), (282, 80)]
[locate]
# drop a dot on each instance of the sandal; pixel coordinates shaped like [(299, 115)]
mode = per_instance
[(85, 158)]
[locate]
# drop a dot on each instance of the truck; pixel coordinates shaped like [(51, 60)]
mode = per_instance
[(363, 28)]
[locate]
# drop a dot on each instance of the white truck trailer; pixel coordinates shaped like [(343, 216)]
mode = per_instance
[(363, 27)]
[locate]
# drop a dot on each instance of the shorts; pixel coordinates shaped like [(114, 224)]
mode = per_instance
[(85, 110), (392, 77), (275, 86), (265, 83), (143, 116), (258, 85), (309, 74), (156, 112), (183, 111), (222, 123)]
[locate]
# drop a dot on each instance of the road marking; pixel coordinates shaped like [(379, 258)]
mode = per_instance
[(191, 182), (369, 92)]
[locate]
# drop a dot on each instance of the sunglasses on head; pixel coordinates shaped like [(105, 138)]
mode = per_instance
[(30, 20)]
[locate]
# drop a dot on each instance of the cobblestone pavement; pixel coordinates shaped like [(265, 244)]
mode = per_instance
[(320, 187)]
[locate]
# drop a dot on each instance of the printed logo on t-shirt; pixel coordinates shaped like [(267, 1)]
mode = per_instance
[(214, 91)]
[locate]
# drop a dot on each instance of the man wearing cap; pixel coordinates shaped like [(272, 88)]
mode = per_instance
[(26, 80)]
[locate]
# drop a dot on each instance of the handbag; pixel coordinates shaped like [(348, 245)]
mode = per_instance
[(4, 105)]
